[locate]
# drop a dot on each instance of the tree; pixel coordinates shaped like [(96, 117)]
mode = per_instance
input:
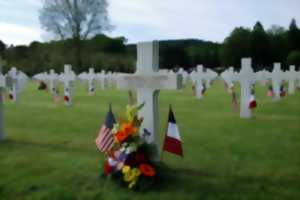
[(260, 46), (294, 58), (235, 47), (76, 19), (294, 36), (2, 48)]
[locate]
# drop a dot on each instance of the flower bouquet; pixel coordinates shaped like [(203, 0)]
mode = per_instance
[(128, 160)]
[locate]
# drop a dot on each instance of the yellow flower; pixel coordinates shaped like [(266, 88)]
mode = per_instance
[(125, 169)]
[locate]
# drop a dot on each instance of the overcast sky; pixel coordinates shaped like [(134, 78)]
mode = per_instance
[(144, 20)]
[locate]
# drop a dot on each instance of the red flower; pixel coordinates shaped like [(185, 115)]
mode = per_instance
[(66, 98), (147, 170), (107, 168)]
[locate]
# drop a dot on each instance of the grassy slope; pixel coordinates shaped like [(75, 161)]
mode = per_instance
[(50, 153)]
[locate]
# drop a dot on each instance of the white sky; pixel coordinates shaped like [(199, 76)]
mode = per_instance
[(143, 20)]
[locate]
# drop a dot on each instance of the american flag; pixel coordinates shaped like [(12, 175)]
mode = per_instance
[(105, 139)]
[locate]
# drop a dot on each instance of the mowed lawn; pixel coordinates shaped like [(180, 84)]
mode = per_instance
[(50, 151)]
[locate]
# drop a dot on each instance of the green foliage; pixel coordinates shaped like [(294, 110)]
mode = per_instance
[(294, 58)]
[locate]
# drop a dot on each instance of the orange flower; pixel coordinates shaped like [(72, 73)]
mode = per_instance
[(121, 136), (147, 170), (128, 128)]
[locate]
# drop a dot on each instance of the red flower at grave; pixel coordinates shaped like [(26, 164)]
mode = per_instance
[(66, 98), (147, 170), (107, 168)]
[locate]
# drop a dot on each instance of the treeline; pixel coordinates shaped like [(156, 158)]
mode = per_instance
[(275, 44)]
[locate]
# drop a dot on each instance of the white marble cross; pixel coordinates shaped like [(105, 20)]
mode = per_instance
[(13, 84), (101, 78), (52, 78), (210, 75), (148, 82), (229, 76), (263, 77), (184, 75), (68, 79), (277, 77), (291, 76), (247, 78), (91, 77), (2, 86), (198, 79)]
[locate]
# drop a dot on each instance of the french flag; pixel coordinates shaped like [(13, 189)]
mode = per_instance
[(252, 102), (172, 142)]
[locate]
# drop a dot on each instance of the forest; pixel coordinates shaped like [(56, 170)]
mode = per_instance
[(264, 46)]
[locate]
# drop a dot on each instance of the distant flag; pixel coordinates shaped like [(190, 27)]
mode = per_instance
[(67, 96), (105, 139), (252, 100), (270, 92), (172, 142), (282, 90)]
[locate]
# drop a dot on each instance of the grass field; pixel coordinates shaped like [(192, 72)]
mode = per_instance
[(50, 152)]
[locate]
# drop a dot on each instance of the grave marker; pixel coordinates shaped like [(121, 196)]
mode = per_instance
[(148, 82)]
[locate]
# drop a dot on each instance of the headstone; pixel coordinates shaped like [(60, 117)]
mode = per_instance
[(209, 77), (102, 79), (263, 77), (148, 82), (247, 78), (291, 76), (52, 78), (198, 79), (2, 86), (13, 84), (68, 79), (91, 77), (277, 77)]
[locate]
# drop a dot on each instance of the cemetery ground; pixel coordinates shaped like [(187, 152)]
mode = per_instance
[(50, 151)]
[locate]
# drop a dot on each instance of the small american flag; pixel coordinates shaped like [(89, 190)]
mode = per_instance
[(105, 139)]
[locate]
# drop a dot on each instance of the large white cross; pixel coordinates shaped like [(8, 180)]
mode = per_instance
[(277, 77), (198, 79), (2, 86), (247, 78), (68, 79), (291, 76), (147, 81), (91, 77)]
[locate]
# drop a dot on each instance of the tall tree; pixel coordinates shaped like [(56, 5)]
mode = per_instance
[(2, 48), (260, 46), (235, 47), (76, 19), (294, 36)]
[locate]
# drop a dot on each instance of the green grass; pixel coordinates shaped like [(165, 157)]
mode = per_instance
[(50, 152)]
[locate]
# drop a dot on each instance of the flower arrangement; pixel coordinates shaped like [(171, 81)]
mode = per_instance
[(129, 159)]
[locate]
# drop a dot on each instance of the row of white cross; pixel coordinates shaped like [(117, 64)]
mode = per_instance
[(147, 81)]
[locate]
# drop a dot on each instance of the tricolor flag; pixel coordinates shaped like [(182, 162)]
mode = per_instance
[(105, 139), (252, 102), (282, 91), (67, 95), (203, 89), (172, 142)]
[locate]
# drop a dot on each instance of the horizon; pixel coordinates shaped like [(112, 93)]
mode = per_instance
[(145, 21)]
